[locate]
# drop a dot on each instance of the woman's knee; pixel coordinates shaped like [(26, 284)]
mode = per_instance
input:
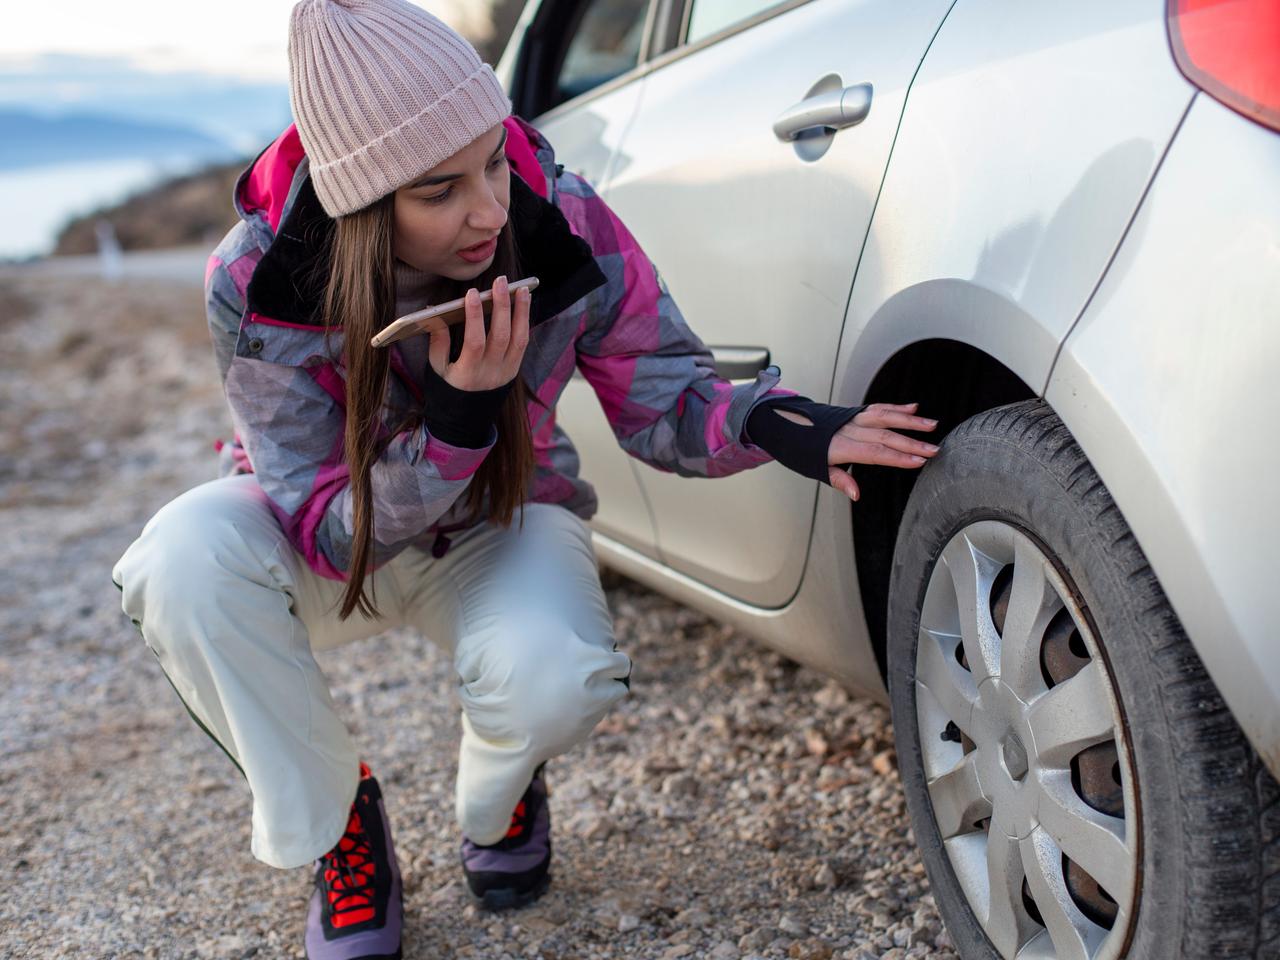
[(543, 680), (199, 545)]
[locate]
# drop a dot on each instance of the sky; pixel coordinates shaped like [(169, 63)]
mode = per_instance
[(241, 38)]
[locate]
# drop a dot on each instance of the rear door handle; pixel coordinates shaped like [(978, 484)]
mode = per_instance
[(739, 363), (835, 109), (732, 363)]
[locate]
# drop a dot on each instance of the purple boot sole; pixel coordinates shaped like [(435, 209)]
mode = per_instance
[(515, 871)]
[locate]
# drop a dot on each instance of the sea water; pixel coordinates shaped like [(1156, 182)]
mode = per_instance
[(37, 202)]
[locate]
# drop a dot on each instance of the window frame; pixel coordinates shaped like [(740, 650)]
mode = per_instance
[(663, 41), (543, 21), (683, 48)]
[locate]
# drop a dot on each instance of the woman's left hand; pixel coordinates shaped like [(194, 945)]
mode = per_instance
[(868, 438)]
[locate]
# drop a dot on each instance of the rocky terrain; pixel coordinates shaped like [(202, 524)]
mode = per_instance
[(195, 208), (734, 806)]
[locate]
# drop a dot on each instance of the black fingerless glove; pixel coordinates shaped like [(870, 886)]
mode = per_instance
[(460, 417), (797, 446)]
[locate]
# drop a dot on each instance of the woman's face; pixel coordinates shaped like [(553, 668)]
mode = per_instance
[(458, 204)]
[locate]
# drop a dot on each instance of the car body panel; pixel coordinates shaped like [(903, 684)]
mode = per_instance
[(1030, 136), (758, 241), (587, 137), (1168, 382), (822, 627)]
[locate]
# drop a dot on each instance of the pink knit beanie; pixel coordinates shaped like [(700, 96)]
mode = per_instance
[(382, 91)]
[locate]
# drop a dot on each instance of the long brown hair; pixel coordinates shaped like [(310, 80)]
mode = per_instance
[(360, 300)]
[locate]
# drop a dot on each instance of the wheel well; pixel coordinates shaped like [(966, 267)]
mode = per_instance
[(952, 381)]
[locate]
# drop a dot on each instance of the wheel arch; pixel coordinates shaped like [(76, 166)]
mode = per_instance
[(952, 381)]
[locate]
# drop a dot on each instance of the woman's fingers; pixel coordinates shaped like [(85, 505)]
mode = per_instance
[(473, 332), (854, 451), (900, 416), (883, 447), (499, 323), (488, 358), (887, 438), (867, 438), (841, 480), (519, 328)]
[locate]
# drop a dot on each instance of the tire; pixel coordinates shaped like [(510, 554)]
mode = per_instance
[(1098, 761)]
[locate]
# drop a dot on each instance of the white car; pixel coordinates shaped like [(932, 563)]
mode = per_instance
[(1057, 226)]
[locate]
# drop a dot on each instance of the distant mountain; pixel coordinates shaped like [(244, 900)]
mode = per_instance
[(29, 139), (246, 113)]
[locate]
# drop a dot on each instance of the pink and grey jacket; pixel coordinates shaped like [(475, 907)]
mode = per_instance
[(601, 309)]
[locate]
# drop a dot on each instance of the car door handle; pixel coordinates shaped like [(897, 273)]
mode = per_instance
[(836, 109), (732, 363), (739, 363)]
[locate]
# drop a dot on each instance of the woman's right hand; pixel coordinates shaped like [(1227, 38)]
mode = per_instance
[(489, 361)]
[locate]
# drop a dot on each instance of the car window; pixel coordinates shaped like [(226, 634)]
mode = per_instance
[(605, 44), (710, 16)]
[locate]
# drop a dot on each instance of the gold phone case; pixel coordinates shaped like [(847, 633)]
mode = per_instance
[(441, 316)]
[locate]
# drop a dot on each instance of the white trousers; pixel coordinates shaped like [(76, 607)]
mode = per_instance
[(233, 613)]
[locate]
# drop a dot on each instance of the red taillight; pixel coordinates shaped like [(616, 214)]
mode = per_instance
[(1231, 50)]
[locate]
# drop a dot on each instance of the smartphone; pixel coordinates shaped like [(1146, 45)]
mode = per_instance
[(442, 315)]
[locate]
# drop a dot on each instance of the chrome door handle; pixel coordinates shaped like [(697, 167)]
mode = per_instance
[(836, 109), (732, 363), (739, 363)]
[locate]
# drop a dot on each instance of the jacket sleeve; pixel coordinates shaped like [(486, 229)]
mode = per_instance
[(654, 377), (290, 418)]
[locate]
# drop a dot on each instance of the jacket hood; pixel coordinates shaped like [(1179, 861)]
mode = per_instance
[(275, 197)]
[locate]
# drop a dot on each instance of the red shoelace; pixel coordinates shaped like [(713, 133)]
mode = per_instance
[(349, 872), (517, 821)]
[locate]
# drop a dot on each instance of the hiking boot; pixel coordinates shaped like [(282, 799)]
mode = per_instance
[(355, 911), (514, 871)]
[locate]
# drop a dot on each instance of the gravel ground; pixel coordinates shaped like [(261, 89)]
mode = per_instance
[(733, 806)]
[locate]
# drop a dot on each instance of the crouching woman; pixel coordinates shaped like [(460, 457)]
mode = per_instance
[(427, 484)]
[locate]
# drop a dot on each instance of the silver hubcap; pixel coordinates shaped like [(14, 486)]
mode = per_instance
[(1024, 760)]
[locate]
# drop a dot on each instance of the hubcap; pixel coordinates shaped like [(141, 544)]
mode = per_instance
[(1025, 762), (1015, 757)]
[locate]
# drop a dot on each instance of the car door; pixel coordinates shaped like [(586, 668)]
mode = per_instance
[(572, 68), (758, 238)]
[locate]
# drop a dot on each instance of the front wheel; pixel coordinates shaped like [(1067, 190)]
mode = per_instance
[(1075, 782)]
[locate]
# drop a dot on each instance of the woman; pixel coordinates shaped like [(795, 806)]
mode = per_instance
[(385, 481)]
